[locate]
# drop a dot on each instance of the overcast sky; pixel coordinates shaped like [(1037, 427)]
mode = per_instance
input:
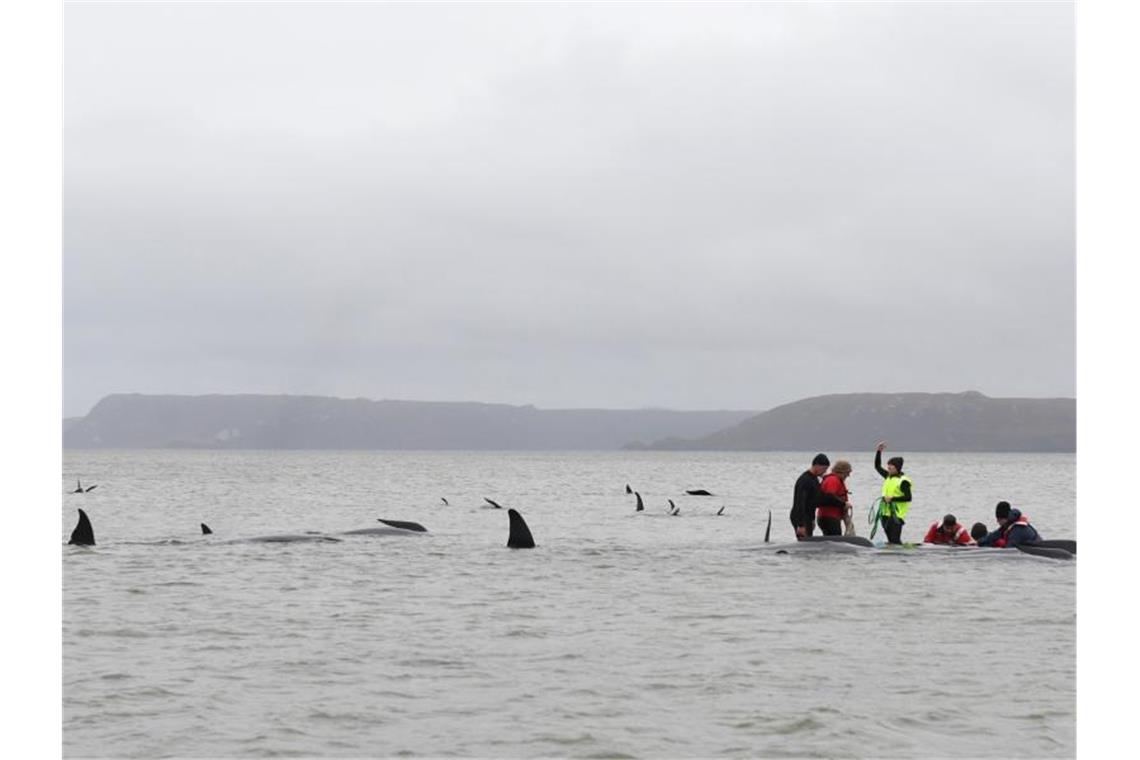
[(688, 206)]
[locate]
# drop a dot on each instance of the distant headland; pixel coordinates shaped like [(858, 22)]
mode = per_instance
[(910, 421)]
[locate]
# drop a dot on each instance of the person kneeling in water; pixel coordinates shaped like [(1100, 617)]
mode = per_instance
[(948, 532), (1013, 529)]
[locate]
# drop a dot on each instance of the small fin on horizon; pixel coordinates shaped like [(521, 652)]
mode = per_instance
[(206, 529), (628, 489), (673, 508), (520, 537), (493, 503), (78, 487), (444, 502), (89, 489), (403, 524), (768, 530), (720, 512), (84, 534)]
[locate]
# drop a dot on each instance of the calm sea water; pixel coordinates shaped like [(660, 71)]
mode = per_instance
[(621, 635)]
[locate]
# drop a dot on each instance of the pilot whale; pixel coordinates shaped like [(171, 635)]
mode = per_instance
[(84, 534), (520, 537), (391, 528)]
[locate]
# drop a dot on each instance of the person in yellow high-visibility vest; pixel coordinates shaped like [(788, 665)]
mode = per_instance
[(896, 495)]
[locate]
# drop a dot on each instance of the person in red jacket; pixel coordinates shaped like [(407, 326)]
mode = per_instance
[(828, 514), (949, 532)]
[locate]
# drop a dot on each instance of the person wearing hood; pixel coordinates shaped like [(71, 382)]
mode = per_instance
[(949, 531), (896, 495), (1013, 530)]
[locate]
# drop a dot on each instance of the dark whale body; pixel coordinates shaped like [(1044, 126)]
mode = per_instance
[(84, 534), (404, 524), (853, 540), (520, 537), (698, 492)]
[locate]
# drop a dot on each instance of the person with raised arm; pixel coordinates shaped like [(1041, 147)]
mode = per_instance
[(896, 498)]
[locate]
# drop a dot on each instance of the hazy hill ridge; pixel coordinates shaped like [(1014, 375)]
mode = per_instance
[(314, 422), (967, 421)]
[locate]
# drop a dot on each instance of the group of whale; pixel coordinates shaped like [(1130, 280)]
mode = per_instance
[(673, 509), (519, 536)]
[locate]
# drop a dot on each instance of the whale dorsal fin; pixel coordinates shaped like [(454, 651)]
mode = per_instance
[(493, 503), (84, 534), (640, 503), (206, 529), (520, 537)]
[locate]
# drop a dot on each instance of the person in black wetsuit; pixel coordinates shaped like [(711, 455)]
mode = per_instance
[(806, 497)]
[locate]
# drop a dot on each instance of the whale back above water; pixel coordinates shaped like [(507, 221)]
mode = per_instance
[(84, 534), (520, 537), (404, 524), (289, 538)]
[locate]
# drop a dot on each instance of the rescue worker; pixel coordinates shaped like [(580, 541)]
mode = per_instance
[(828, 514), (979, 531), (896, 495), (1013, 530), (949, 531), (806, 497)]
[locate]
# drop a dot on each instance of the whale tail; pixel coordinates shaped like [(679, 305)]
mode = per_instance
[(206, 529), (84, 534), (640, 503), (520, 537)]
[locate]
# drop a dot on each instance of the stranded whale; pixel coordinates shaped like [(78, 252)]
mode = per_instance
[(84, 534), (520, 537)]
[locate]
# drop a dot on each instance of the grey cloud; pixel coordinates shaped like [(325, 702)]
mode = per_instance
[(586, 206)]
